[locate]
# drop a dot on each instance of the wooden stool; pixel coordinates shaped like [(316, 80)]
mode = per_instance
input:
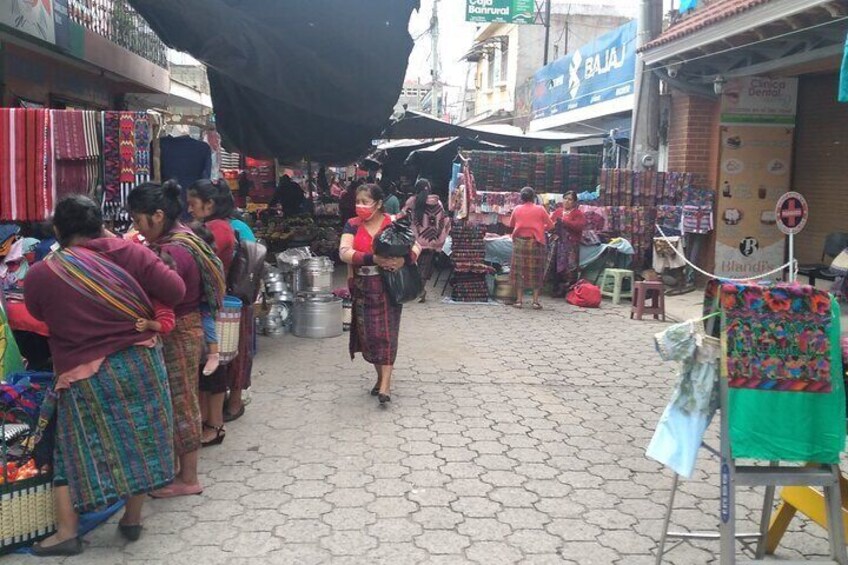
[(643, 290), (612, 281)]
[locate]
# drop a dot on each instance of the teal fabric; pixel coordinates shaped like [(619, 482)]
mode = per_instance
[(243, 230), (391, 205), (843, 77), (792, 426), (686, 5)]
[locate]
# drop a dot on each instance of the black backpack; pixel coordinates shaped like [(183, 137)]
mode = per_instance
[(245, 276)]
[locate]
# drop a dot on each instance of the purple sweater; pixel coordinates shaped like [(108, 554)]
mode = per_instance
[(81, 330)]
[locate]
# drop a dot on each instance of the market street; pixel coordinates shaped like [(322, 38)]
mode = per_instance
[(512, 437)]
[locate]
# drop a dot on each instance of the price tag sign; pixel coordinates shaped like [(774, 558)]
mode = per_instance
[(791, 213)]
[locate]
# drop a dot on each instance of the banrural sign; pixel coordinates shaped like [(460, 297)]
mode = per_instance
[(500, 11)]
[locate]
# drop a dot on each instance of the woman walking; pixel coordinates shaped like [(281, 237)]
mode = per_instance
[(114, 432), (376, 319), (431, 226), (570, 222), (155, 212), (529, 221)]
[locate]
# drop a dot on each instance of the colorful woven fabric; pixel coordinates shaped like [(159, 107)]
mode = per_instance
[(114, 432), (777, 338), (210, 266), (784, 368), (112, 155), (101, 281), (27, 170), (126, 125), (498, 171), (239, 370), (10, 356), (183, 348), (76, 135), (376, 322), (528, 263)]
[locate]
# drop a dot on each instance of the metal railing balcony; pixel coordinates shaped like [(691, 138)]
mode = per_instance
[(118, 22)]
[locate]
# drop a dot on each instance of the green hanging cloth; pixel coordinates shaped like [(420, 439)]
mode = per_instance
[(10, 356), (843, 76), (781, 357)]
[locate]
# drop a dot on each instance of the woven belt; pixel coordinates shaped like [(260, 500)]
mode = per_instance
[(368, 271)]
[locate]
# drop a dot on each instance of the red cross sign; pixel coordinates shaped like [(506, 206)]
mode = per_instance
[(791, 213)]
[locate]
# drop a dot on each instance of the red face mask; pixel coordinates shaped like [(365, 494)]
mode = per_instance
[(365, 213)]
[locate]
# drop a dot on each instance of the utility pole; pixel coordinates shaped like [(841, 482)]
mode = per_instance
[(547, 29), (436, 92), (645, 129)]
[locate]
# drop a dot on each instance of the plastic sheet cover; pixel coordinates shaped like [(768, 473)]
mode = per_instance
[(294, 79)]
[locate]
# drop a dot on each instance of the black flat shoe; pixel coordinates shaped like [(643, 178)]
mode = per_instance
[(376, 390), (220, 434), (130, 533), (384, 398), (72, 546), (231, 417)]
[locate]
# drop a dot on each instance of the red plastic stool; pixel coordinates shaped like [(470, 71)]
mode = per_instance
[(642, 291)]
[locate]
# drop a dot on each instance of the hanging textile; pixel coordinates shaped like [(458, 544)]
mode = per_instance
[(784, 369), (126, 159), (10, 356), (503, 171), (27, 171), (76, 137), (693, 403)]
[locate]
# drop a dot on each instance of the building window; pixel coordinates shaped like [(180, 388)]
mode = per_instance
[(504, 60), (490, 68)]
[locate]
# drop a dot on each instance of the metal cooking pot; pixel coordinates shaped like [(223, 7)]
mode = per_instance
[(276, 286), (315, 275), (317, 316)]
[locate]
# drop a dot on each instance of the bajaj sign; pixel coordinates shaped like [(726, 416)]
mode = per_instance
[(503, 11), (600, 71)]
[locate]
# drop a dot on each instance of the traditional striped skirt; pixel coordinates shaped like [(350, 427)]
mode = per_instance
[(240, 368), (376, 322), (528, 263), (114, 431), (183, 349)]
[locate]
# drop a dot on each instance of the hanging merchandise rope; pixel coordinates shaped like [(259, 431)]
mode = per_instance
[(792, 264)]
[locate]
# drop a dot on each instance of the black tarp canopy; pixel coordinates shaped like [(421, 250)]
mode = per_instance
[(416, 125), (294, 79)]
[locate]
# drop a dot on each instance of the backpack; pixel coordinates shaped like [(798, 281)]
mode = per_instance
[(245, 276)]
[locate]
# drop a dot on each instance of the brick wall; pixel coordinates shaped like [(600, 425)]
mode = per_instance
[(693, 147), (693, 137)]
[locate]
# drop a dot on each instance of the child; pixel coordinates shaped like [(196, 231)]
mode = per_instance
[(163, 317), (210, 333)]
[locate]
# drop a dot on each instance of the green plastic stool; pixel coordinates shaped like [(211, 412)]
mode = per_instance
[(612, 281)]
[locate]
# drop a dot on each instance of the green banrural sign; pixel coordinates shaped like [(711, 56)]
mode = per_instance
[(502, 11)]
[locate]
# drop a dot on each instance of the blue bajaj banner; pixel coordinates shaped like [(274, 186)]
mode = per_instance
[(597, 72)]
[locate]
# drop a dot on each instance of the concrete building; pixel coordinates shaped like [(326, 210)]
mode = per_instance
[(78, 55), (753, 112), (413, 96), (506, 56)]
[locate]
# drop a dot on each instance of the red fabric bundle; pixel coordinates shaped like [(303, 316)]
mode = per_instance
[(584, 294)]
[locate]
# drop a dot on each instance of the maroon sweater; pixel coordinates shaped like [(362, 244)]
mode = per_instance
[(81, 330)]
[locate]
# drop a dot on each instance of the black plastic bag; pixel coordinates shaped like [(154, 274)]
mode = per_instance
[(403, 285), (396, 240)]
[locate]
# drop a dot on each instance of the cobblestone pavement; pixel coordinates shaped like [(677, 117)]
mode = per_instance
[(513, 437)]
